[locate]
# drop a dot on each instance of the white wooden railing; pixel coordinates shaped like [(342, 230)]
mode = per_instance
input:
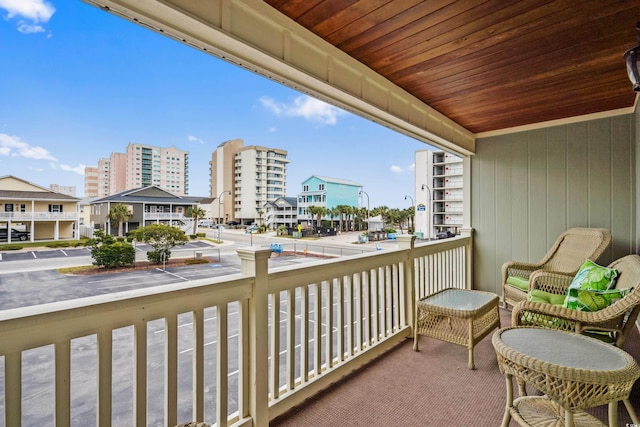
[(30, 216), (239, 349)]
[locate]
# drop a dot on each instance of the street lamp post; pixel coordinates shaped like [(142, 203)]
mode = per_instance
[(220, 214), (429, 205), (413, 205), (368, 208)]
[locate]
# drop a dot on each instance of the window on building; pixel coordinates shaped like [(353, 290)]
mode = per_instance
[(23, 208), (8, 207), (55, 208), (321, 187), (305, 188)]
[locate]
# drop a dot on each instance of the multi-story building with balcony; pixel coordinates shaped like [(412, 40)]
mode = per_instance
[(140, 166), (248, 177), (438, 193), (282, 211), (327, 193), (149, 205), (45, 214)]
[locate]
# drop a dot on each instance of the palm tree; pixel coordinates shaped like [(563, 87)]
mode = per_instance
[(119, 213), (318, 211), (382, 211), (195, 212), (333, 212), (341, 211)]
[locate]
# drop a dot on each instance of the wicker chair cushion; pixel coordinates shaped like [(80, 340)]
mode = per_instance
[(594, 276), (536, 295), (521, 283)]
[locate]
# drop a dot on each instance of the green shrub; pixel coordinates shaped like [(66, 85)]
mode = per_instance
[(191, 261), (11, 247), (193, 236), (202, 234), (156, 256), (117, 254), (109, 252), (58, 244)]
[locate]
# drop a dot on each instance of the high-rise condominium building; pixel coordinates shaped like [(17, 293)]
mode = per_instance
[(244, 179), (63, 189), (438, 193), (140, 166)]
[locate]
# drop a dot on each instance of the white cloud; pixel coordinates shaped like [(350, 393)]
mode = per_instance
[(33, 10), (78, 169), (396, 169), (192, 138), (29, 29), (13, 146), (412, 167), (304, 106), (272, 129), (30, 12)]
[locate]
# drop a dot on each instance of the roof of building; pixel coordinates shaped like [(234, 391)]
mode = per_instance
[(38, 193), (290, 201), (334, 180), (151, 194)]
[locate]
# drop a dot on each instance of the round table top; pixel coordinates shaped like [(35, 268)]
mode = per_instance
[(566, 354)]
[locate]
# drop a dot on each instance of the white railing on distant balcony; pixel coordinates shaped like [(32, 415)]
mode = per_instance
[(239, 349), (165, 216), (31, 216)]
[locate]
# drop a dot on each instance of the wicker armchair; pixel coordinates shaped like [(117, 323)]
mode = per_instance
[(616, 320), (566, 256)]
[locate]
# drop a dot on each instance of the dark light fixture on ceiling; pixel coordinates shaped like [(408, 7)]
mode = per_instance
[(632, 58)]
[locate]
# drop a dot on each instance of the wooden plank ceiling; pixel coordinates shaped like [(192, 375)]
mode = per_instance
[(488, 65)]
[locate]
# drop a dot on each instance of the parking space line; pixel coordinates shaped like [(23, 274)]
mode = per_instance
[(173, 274), (63, 252), (34, 254)]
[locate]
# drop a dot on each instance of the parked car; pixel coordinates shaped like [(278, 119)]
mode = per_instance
[(15, 235), (233, 223)]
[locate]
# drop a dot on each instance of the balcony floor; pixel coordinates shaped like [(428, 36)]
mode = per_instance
[(432, 387)]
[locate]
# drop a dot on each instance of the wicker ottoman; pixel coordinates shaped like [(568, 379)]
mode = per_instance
[(458, 316)]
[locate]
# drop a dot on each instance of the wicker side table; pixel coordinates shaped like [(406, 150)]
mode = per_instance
[(458, 316), (574, 372)]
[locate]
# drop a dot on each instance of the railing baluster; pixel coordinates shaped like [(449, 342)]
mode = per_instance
[(274, 366), (63, 383), (317, 329), (140, 374), (198, 364), (171, 370), (357, 303), (329, 323), (222, 353), (105, 357), (13, 388), (304, 333), (291, 339)]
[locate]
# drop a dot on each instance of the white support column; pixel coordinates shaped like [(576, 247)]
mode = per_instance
[(255, 262), (468, 256), (408, 242)]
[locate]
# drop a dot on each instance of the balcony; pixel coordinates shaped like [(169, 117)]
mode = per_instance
[(164, 323), (39, 216), (162, 348)]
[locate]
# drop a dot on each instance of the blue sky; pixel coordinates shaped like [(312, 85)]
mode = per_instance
[(78, 83)]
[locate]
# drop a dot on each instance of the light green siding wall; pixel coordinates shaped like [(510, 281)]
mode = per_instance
[(528, 187)]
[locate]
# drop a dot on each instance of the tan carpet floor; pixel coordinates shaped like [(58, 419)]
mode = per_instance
[(432, 387)]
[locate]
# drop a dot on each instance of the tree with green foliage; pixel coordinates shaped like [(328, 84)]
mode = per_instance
[(118, 213), (195, 212), (162, 238), (317, 211), (108, 252)]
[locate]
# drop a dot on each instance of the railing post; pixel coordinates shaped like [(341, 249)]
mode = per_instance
[(407, 241), (255, 262), (468, 232)]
